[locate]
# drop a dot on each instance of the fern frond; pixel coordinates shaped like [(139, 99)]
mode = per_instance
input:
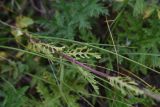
[(42, 90), (90, 78), (126, 85), (44, 48), (83, 52), (139, 7)]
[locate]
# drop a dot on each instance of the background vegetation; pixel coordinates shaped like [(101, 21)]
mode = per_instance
[(79, 53)]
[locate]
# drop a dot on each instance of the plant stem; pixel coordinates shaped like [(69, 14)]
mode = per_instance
[(73, 60)]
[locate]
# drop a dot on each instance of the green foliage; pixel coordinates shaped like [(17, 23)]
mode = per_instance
[(14, 97), (15, 69), (45, 79), (136, 36), (90, 78), (83, 52), (120, 100), (139, 7), (73, 16), (49, 50), (51, 94), (125, 85)]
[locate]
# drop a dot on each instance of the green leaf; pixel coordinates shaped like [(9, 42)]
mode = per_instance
[(90, 78), (23, 21), (126, 85), (138, 8)]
